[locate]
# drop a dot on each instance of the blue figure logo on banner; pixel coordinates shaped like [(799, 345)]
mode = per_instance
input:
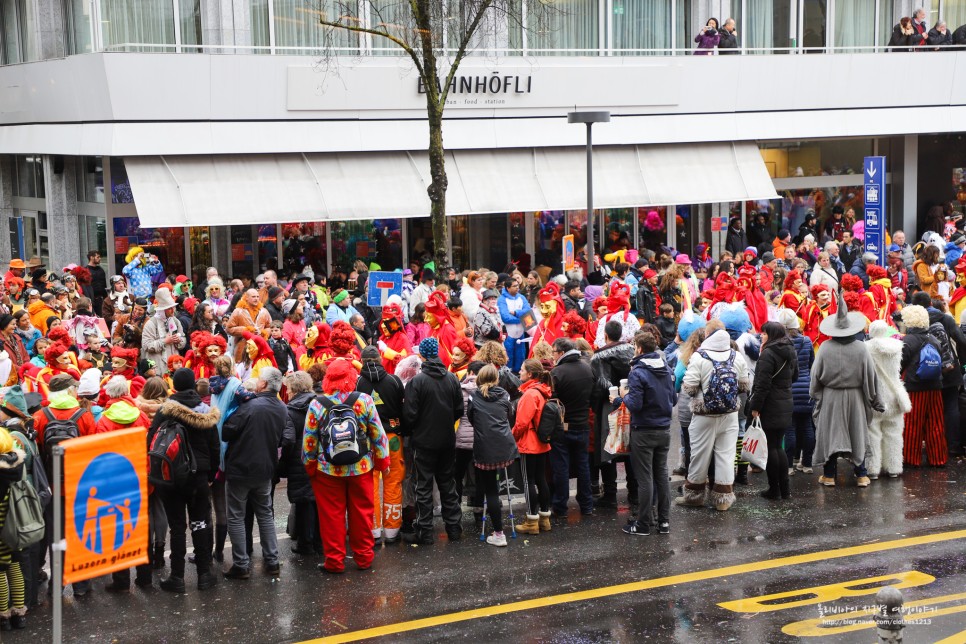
[(107, 503)]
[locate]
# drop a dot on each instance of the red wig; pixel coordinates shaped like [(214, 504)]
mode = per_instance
[(876, 272), (131, 355), (343, 337), (466, 346), (851, 282), (340, 376), (791, 278), (82, 274), (576, 325)]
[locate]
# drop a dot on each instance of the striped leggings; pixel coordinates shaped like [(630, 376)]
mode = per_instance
[(924, 422), (12, 589)]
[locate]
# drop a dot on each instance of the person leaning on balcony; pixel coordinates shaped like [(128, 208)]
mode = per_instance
[(728, 38), (903, 36), (939, 36), (707, 38)]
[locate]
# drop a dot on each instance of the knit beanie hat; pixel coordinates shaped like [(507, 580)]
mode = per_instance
[(183, 380), (370, 354), (14, 402), (429, 348), (90, 383)]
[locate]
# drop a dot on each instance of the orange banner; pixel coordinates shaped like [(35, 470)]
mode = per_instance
[(105, 503)]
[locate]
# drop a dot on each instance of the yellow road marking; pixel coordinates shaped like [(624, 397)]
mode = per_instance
[(826, 625), (636, 586), (958, 638), (828, 593)]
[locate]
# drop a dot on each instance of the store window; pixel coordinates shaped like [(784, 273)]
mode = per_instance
[(548, 229), (29, 180), (90, 179), (577, 226), (420, 240), (242, 251), (618, 224), (652, 227), (199, 242), (167, 243), (816, 158), (518, 242), (126, 24), (571, 25), (93, 235), (267, 244), (641, 26), (796, 204), (304, 245), (378, 241), (120, 186)]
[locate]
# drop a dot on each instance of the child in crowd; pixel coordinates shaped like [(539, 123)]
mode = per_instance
[(667, 324)]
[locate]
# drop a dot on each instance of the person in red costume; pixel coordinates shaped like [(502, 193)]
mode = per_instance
[(726, 291), (59, 360), (209, 347), (463, 353), (441, 325), (748, 289), (852, 290), (574, 326), (124, 362), (878, 302), (317, 342), (619, 310), (552, 309), (61, 335), (393, 342), (819, 307), (600, 310), (795, 295), (342, 344), (957, 300)]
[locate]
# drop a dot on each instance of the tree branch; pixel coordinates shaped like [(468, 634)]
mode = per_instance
[(375, 32), (461, 52)]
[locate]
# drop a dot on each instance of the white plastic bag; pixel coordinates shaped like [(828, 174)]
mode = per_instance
[(754, 447)]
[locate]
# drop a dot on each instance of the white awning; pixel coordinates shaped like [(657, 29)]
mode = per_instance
[(219, 190)]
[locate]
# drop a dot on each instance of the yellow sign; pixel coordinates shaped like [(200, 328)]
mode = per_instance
[(105, 503)]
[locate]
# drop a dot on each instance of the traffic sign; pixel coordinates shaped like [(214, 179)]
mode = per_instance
[(382, 285), (105, 503), (875, 206)]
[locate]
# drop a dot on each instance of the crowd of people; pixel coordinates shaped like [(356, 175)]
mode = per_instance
[(380, 419)]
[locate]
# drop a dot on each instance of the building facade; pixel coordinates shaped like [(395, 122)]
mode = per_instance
[(244, 135)]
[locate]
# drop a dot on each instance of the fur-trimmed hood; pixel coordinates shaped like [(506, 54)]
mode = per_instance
[(12, 459), (192, 418), (886, 354)]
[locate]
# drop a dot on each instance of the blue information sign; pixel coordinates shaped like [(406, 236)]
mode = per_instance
[(382, 284), (875, 207)]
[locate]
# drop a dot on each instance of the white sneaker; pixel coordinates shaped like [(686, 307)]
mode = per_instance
[(791, 471), (496, 539), (807, 470)]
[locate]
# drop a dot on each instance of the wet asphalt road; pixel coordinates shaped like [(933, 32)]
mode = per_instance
[(408, 583)]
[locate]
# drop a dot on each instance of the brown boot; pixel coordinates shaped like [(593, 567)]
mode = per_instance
[(693, 495), (722, 497), (544, 521), (530, 526)]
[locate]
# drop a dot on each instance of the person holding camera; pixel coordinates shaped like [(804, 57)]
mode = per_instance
[(140, 268), (707, 38)]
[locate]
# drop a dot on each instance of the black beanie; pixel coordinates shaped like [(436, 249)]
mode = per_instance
[(183, 379)]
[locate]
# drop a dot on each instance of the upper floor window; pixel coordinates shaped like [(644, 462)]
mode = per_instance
[(29, 179), (18, 31)]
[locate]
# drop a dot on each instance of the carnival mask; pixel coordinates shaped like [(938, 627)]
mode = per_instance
[(64, 359), (118, 364), (212, 351), (431, 319), (252, 349), (458, 356), (547, 309)]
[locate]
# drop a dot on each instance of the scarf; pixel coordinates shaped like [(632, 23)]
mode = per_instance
[(217, 384)]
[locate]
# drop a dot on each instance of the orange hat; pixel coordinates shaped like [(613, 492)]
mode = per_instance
[(18, 263)]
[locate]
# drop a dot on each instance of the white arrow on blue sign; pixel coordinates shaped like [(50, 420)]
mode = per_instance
[(875, 207)]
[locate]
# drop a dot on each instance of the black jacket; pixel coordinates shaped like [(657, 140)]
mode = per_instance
[(254, 433), (727, 43), (573, 380), (911, 347), (299, 487), (201, 425), (758, 234), (273, 311), (493, 441), (737, 241), (939, 40), (901, 42), (98, 281), (957, 341), (387, 392), (771, 395), (646, 302), (959, 36), (848, 254), (609, 365), (432, 406)]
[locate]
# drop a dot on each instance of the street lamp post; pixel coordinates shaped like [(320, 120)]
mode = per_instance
[(589, 118)]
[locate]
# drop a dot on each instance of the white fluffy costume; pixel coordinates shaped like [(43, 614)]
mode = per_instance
[(884, 449)]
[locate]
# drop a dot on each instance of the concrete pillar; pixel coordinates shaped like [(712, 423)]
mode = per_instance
[(226, 22), (6, 209), (910, 188), (63, 226), (49, 18)]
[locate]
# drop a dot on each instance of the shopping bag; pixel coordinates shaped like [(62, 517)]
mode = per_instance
[(754, 447), (619, 437)]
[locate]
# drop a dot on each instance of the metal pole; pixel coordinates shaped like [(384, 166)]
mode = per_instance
[(590, 200), (57, 549)]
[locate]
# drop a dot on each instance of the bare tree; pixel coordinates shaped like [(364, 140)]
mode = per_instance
[(421, 28)]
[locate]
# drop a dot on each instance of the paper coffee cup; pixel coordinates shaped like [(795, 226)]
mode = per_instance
[(624, 383), (613, 392)]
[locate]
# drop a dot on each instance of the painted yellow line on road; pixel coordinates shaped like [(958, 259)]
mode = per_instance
[(636, 586), (958, 638)]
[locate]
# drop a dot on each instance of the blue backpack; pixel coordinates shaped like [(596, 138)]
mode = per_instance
[(721, 396), (930, 362)]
